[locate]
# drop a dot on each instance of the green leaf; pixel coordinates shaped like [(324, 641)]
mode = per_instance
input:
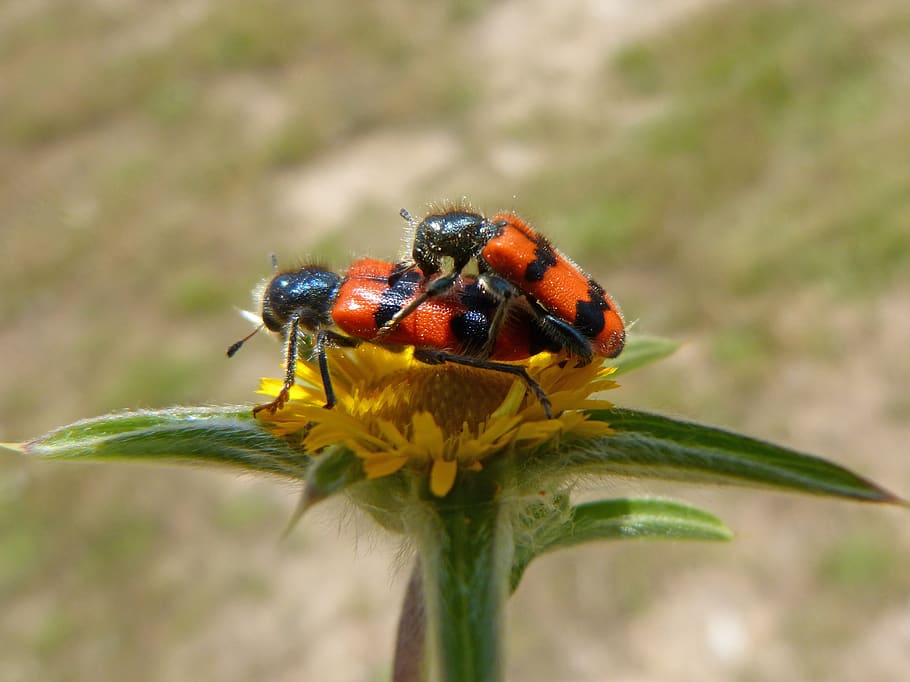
[(642, 350), (653, 446), (332, 471), (224, 436), (642, 518), (619, 520)]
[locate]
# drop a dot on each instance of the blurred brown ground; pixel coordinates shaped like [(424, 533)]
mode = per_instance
[(736, 175)]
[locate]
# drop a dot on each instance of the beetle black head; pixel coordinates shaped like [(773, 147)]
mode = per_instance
[(307, 294), (456, 234)]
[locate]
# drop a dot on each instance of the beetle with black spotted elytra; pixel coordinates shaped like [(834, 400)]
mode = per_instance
[(514, 259)]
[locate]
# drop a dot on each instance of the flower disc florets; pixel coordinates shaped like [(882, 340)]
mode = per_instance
[(396, 412)]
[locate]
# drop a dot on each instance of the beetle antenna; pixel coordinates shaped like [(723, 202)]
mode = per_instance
[(237, 345), (404, 213)]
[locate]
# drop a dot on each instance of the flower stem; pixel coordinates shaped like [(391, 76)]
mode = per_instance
[(465, 549)]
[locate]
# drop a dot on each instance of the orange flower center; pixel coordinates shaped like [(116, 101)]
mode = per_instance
[(452, 394)]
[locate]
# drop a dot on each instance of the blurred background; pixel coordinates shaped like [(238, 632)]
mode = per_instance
[(736, 174)]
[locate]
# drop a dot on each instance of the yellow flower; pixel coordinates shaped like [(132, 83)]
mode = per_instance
[(394, 411)]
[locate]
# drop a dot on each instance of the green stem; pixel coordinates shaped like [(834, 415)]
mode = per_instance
[(465, 548)]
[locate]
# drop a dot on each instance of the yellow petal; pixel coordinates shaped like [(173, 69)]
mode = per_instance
[(512, 402), (270, 387), (497, 428), (427, 435), (442, 476), (377, 466)]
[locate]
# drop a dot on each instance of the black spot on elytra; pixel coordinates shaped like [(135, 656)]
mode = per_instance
[(589, 315), (396, 297), (472, 327), (544, 259)]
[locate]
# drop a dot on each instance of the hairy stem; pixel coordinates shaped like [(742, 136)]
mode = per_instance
[(465, 550)]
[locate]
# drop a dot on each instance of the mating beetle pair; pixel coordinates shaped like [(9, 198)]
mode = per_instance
[(527, 298)]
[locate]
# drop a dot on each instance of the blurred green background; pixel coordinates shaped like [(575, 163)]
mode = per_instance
[(736, 174)]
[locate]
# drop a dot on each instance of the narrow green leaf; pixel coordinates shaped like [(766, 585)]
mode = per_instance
[(641, 518), (332, 471), (223, 436), (653, 446), (618, 520), (329, 472), (642, 350)]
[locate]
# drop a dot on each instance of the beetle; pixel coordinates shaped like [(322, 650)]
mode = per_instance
[(515, 258), (467, 326)]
